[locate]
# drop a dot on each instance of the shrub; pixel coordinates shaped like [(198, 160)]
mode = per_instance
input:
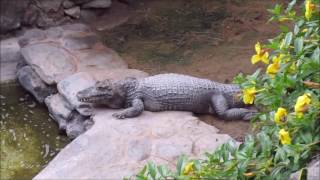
[(287, 94)]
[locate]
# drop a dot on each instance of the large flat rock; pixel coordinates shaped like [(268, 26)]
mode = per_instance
[(113, 149), (51, 62), (61, 51)]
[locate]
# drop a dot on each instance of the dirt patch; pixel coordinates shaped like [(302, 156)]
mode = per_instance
[(205, 38)]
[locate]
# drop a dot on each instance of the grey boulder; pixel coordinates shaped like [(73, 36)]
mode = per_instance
[(69, 120), (97, 4), (59, 110), (68, 4), (33, 84), (50, 5), (73, 12), (71, 85), (77, 124), (51, 62)]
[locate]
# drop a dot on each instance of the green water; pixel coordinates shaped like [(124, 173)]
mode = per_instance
[(29, 137)]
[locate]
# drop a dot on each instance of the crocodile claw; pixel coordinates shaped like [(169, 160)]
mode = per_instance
[(118, 115), (250, 115)]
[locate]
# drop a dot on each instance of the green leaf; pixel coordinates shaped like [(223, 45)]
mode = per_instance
[(296, 29), (265, 142), (300, 23), (152, 170), (276, 10), (181, 164), (255, 74), (303, 174), (284, 28), (164, 171), (141, 177), (290, 6), (316, 55), (141, 174), (280, 155), (298, 45), (287, 39)]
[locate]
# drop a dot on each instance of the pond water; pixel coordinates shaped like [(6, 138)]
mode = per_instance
[(29, 137)]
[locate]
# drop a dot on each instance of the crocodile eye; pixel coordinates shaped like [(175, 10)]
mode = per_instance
[(103, 85), (102, 88)]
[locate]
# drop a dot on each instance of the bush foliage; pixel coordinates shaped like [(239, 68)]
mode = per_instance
[(287, 94)]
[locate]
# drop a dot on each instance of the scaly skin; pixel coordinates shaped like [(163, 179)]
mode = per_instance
[(168, 92)]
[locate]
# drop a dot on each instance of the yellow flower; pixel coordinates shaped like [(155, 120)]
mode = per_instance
[(284, 137), (310, 7), (262, 55), (273, 68), (188, 168), (302, 104), (249, 95), (280, 115)]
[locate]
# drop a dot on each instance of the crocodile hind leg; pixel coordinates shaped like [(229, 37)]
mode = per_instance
[(135, 110), (221, 107)]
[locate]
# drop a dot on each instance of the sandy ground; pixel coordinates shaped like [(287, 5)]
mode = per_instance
[(205, 38)]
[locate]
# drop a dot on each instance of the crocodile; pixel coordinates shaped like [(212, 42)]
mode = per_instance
[(165, 92)]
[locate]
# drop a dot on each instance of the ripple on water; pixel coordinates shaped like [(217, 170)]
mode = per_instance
[(29, 138)]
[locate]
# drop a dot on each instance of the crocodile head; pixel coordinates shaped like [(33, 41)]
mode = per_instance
[(104, 93), (100, 93)]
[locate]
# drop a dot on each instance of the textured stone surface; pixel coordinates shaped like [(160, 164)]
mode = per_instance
[(112, 148), (59, 110), (118, 14), (104, 58), (78, 42), (97, 4), (68, 4), (50, 5), (73, 12), (80, 1), (31, 36), (11, 14), (88, 16), (77, 124), (10, 56), (33, 84), (70, 121), (62, 51), (69, 87), (50, 61)]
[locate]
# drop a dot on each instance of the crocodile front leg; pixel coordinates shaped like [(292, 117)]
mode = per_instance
[(135, 110), (220, 105)]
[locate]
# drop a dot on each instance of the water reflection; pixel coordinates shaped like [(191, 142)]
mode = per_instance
[(29, 138)]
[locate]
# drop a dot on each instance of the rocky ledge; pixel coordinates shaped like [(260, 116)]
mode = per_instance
[(114, 149), (60, 61), (55, 64)]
